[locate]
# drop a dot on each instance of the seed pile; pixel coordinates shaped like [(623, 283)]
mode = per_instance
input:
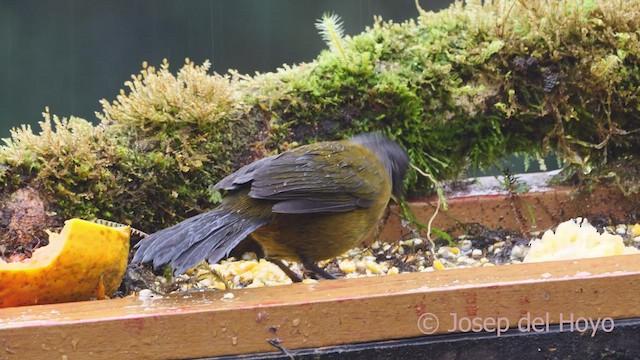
[(479, 247)]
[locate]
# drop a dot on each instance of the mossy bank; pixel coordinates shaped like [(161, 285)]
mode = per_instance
[(460, 87)]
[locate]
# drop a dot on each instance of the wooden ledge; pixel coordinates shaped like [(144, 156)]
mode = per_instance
[(540, 209), (329, 312)]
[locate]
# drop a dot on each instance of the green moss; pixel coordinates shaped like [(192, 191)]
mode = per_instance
[(463, 86), (467, 85), (153, 158)]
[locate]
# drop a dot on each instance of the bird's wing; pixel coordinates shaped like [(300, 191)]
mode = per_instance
[(323, 178)]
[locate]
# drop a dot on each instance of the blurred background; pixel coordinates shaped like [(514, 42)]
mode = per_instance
[(69, 54)]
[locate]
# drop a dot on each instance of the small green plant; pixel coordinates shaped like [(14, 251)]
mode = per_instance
[(515, 187), (331, 29)]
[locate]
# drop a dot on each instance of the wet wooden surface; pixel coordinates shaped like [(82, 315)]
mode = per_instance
[(327, 313)]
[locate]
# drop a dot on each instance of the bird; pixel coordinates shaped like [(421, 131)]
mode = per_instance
[(306, 204)]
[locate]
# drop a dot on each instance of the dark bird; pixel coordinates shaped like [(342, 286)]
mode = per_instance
[(306, 204)]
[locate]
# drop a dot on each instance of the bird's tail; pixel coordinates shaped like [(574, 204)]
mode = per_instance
[(211, 236)]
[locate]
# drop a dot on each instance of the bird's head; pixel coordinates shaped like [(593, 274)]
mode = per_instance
[(393, 157)]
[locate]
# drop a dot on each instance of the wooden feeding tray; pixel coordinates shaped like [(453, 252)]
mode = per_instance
[(572, 303)]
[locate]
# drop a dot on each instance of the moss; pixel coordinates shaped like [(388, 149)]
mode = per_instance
[(472, 83), (177, 135), (463, 86), (67, 158), (152, 160)]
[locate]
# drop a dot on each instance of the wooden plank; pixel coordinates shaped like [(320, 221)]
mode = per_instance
[(539, 210), (326, 313)]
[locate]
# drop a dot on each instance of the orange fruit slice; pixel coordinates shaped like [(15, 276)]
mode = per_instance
[(84, 261)]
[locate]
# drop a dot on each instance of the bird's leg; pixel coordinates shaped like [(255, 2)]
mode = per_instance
[(287, 270), (310, 265)]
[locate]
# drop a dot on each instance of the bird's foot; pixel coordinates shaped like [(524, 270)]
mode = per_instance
[(287, 270), (309, 265), (312, 266)]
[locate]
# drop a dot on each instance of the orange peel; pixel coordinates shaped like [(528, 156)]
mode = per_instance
[(84, 261)]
